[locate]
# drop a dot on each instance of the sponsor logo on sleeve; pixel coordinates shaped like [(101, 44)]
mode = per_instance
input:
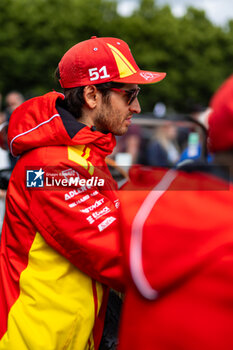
[(79, 201), (90, 219), (117, 203), (97, 214), (93, 194), (106, 223), (74, 193), (93, 206)]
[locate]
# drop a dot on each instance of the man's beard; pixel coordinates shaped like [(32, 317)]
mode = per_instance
[(106, 121)]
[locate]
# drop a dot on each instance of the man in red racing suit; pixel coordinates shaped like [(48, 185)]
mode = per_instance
[(59, 248)]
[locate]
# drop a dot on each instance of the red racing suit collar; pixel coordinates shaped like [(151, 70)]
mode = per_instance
[(37, 123)]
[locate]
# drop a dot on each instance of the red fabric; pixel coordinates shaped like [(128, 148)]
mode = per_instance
[(83, 64), (187, 258), (65, 228), (36, 123), (221, 118)]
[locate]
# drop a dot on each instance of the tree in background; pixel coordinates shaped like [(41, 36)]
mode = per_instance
[(193, 52)]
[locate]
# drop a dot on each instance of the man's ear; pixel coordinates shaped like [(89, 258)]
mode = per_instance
[(90, 95)]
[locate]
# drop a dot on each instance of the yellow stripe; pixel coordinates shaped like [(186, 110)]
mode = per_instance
[(75, 153), (55, 308), (125, 68)]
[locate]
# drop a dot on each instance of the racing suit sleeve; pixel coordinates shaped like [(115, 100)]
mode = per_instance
[(82, 225)]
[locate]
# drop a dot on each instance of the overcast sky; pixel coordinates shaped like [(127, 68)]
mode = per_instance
[(218, 11)]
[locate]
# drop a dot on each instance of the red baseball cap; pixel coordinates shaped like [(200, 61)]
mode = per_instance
[(221, 118), (101, 60)]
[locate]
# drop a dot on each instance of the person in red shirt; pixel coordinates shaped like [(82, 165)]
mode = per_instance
[(177, 236), (59, 248)]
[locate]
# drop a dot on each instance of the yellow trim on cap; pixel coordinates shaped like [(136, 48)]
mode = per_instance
[(125, 68)]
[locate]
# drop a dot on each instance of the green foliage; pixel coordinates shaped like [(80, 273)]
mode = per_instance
[(195, 54), (35, 34)]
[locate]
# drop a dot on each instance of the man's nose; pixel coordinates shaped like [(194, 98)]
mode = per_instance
[(135, 106)]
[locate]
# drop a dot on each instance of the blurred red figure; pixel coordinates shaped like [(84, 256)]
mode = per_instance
[(177, 235)]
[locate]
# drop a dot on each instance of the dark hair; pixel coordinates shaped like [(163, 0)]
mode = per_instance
[(74, 100)]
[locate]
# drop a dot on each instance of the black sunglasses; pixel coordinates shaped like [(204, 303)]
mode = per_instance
[(131, 94)]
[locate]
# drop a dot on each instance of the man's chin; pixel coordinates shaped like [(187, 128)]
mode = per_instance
[(121, 132)]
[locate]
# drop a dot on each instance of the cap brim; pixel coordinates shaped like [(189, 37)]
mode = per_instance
[(142, 77)]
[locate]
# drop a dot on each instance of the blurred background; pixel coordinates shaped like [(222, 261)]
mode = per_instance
[(186, 42)]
